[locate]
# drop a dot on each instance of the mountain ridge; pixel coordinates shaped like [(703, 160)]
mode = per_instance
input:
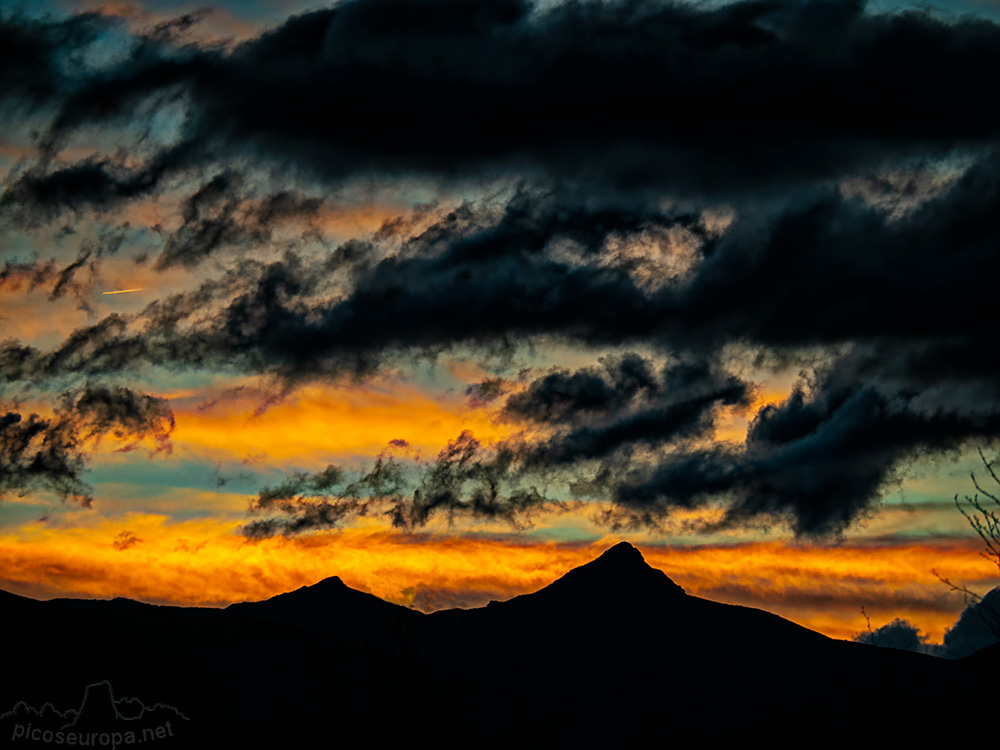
[(609, 639)]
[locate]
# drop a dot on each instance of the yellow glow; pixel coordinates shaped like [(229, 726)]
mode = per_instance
[(318, 423)]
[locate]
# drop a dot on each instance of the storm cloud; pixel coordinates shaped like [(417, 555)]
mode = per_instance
[(825, 270), (677, 192), (758, 93), (977, 627)]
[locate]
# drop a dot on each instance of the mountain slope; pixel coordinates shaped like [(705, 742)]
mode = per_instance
[(622, 634), (333, 609)]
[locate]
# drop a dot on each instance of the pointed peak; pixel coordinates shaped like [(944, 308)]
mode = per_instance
[(623, 565), (332, 586), (326, 586), (621, 559), (620, 571), (320, 590), (624, 552), (331, 582)]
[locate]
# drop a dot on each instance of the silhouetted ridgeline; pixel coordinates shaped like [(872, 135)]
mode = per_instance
[(612, 652)]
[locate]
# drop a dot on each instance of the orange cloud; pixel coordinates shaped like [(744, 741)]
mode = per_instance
[(32, 316), (351, 220), (734, 420), (320, 423), (825, 587), (33, 319)]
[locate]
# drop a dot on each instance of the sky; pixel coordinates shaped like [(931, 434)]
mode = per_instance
[(447, 298)]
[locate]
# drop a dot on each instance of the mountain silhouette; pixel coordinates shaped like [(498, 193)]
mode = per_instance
[(332, 608), (613, 652), (619, 574)]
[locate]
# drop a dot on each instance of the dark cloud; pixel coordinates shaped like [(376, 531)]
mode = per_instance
[(818, 461), (41, 454), (466, 481), (31, 53), (823, 271), (472, 277), (98, 349), (232, 319), (826, 269), (484, 393), (209, 222), (749, 93), (40, 194), (47, 453), (471, 480), (461, 482), (762, 91), (978, 627), (760, 94), (221, 214), (122, 413), (900, 634), (63, 279), (562, 396), (683, 406), (904, 378)]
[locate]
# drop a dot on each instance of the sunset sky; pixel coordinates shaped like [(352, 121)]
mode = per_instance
[(445, 298)]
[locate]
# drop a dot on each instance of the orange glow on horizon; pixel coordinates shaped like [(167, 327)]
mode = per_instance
[(204, 562)]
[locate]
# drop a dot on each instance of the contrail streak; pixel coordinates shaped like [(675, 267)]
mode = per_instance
[(125, 291)]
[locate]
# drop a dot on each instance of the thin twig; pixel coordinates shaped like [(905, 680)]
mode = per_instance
[(954, 587)]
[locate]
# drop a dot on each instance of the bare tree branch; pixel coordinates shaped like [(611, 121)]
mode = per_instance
[(969, 595)]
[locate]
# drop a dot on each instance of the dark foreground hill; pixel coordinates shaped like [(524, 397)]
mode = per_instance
[(614, 652)]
